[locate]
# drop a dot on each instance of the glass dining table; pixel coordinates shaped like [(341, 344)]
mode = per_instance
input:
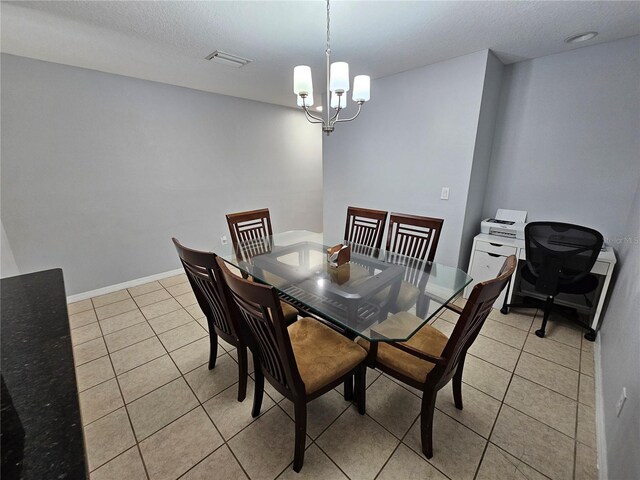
[(359, 297)]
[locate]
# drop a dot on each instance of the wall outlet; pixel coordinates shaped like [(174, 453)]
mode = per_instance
[(621, 400), (223, 240), (445, 193)]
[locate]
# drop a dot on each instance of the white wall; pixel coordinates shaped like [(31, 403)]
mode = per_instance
[(481, 156), (620, 355), (416, 136), (100, 170), (567, 144), (8, 266), (567, 148)]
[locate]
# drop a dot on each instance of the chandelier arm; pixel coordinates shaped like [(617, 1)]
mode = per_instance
[(312, 118), (333, 119), (352, 118)]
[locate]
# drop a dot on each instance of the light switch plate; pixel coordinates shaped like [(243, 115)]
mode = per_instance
[(445, 193), (223, 240)]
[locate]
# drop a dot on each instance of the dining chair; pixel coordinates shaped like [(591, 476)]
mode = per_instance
[(302, 361), (250, 232), (365, 226), (364, 230), (429, 359), (415, 238), (223, 317), (250, 226)]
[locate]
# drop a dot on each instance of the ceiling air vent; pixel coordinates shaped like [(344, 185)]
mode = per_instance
[(228, 59)]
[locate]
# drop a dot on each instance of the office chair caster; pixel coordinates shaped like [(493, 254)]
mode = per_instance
[(504, 310), (590, 335), (540, 333)]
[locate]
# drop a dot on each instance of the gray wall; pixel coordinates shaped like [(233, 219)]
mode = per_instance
[(567, 148), (481, 156), (100, 170), (416, 136), (8, 266), (567, 144), (620, 354)]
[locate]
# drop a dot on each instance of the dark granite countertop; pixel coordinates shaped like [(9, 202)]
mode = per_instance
[(38, 370)]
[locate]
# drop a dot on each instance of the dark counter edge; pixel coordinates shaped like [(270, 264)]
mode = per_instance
[(38, 369)]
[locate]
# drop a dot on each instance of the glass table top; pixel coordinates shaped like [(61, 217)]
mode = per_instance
[(378, 295)]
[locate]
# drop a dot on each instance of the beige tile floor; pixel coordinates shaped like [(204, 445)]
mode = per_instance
[(152, 409)]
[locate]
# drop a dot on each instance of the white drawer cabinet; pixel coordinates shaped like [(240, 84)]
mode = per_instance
[(496, 248), (485, 266), (489, 253)]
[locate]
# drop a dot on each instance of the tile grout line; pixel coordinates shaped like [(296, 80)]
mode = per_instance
[(521, 349), (575, 443), (225, 442), (484, 451), (200, 405), (313, 441), (420, 454), (137, 445)]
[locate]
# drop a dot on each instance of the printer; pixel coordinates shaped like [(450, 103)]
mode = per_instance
[(507, 223)]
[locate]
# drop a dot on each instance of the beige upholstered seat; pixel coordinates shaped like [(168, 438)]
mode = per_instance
[(428, 340), (290, 313), (322, 354)]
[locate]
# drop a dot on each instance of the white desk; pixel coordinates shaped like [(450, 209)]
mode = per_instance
[(489, 252)]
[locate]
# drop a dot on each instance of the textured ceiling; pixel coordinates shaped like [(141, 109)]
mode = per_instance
[(168, 41)]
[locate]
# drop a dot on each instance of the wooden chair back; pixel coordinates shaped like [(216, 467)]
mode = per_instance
[(413, 236), (473, 316), (251, 229), (260, 308), (365, 226), (205, 278)]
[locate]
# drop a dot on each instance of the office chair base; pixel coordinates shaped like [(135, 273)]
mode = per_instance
[(567, 312)]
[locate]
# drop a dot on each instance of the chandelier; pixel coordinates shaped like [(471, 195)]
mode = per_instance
[(337, 88)]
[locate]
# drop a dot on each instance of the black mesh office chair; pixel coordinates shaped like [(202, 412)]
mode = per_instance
[(560, 257)]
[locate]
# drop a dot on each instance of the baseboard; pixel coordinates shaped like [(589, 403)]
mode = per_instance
[(119, 286), (600, 432)]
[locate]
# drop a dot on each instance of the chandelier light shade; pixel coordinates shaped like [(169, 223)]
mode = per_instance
[(337, 88), (339, 77), (302, 83), (361, 88)]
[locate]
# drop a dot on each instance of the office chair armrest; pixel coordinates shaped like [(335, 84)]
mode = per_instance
[(417, 353)]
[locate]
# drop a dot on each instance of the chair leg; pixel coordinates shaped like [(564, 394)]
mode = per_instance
[(547, 311), (258, 391), (505, 307), (242, 373), (348, 389), (300, 407), (426, 421), (361, 388), (457, 384), (213, 349)]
